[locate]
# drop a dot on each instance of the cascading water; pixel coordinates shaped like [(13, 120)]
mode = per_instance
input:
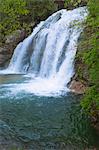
[(48, 53), (36, 112)]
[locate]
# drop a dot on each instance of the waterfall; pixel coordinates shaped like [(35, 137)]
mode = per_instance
[(48, 53)]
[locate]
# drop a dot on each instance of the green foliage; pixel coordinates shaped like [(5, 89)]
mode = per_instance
[(40, 9), (91, 99), (10, 14), (15, 14), (70, 4), (90, 57)]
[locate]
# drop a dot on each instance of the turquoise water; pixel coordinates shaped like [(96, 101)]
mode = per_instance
[(32, 122)]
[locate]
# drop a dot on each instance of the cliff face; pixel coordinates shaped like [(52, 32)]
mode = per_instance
[(87, 73), (60, 3), (7, 48), (81, 80), (87, 65)]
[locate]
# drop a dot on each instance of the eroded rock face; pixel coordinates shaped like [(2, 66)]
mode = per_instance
[(5, 55), (77, 87), (80, 81), (11, 41), (16, 37)]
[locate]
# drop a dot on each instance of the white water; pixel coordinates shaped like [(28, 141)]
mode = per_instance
[(47, 55)]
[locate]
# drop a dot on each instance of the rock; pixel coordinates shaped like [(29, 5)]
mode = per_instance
[(5, 55), (7, 49), (9, 43), (77, 87), (32, 25), (60, 3), (4, 61), (16, 37)]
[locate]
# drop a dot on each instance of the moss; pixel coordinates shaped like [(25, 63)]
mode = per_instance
[(71, 4), (88, 60), (16, 14), (91, 99)]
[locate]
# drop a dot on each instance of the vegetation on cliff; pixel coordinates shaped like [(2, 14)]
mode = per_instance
[(18, 14), (71, 4), (88, 59), (11, 12)]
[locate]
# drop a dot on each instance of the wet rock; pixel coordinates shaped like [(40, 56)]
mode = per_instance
[(77, 87), (5, 55), (6, 52), (7, 49)]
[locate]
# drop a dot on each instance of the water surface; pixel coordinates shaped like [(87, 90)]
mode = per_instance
[(36, 122)]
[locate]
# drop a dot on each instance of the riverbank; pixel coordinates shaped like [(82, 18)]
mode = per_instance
[(87, 65)]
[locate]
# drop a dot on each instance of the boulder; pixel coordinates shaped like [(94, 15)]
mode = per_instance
[(77, 87)]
